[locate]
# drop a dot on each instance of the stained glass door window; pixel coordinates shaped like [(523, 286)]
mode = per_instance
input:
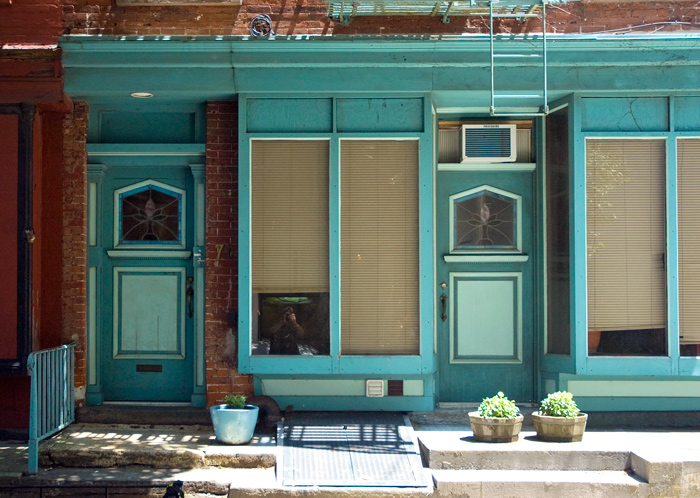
[(485, 219), (149, 213)]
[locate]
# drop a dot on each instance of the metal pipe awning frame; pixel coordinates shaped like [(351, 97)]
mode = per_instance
[(343, 11)]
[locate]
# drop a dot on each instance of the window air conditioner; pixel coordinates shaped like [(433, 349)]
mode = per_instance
[(488, 143)]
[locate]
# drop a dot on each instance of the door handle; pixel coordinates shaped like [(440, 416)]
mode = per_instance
[(190, 296), (443, 302)]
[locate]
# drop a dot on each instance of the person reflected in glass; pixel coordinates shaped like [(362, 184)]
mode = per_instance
[(286, 333)]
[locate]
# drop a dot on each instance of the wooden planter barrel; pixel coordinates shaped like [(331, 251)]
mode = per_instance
[(495, 430), (559, 429)]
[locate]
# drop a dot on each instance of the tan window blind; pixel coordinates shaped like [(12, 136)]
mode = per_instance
[(290, 216), (625, 195), (379, 247), (689, 239)]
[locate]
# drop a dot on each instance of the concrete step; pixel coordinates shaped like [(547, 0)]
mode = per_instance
[(459, 450), (539, 483), (131, 482), (134, 482), (143, 414), (161, 447), (256, 483)]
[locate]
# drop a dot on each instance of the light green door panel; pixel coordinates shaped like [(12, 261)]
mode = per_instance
[(149, 317), (486, 317)]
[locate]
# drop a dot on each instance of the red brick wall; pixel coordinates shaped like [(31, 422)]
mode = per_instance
[(309, 17), (221, 288), (74, 247), (30, 21)]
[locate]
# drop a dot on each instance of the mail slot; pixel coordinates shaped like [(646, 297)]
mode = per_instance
[(149, 368)]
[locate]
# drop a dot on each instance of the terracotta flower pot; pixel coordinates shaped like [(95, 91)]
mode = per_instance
[(495, 430), (559, 429)]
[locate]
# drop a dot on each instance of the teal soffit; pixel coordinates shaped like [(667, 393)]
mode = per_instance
[(198, 69)]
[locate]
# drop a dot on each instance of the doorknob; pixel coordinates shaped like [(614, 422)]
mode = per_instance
[(190, 295)]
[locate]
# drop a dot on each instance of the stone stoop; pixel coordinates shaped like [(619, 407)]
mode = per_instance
[(263, 483), (605, 465), (155, 447), (539, 483)]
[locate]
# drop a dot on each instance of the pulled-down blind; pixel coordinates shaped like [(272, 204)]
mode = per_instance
[(626, 216), (689, 239), (379, 247), (290, 216)]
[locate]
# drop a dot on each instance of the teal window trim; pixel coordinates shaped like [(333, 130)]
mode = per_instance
[(672, 364), (336, 362), (578, 272), (672, 297), (554, 362)]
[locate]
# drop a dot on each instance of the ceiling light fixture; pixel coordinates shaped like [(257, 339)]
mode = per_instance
[(142, 95)]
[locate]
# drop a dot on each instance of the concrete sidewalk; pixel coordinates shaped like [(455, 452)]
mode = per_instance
[(131, 461)]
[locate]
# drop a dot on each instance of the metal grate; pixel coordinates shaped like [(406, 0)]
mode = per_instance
[(343, 11), (349, 449)]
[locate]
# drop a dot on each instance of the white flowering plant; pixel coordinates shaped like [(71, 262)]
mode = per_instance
[(498, 406), (559, 404)]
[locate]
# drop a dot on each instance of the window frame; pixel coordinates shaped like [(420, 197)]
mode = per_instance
[(335, 363), (672, 364)]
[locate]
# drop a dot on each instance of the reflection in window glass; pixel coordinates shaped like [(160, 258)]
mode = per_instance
[(558, 267), (150, 215), (290, 248), (485, 220), (292, 324)]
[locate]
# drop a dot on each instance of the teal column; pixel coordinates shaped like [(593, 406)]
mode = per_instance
[(199, 393), (96, 177)]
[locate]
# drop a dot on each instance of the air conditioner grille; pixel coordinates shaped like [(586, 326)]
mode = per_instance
[(487, 142)]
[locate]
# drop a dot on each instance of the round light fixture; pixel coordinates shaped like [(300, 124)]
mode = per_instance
[(142, 95)]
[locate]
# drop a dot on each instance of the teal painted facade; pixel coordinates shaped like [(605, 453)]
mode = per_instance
[(402, 88)]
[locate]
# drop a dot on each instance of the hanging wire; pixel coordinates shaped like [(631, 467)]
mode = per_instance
[(261, 25)]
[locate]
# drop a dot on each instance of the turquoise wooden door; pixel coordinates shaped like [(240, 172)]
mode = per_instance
[(146, 340), (485, 272)]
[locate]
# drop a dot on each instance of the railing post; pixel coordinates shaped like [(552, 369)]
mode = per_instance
[(33, 445), (51, 405)]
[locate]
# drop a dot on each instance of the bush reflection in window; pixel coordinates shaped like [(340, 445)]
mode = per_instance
[(291, 324)]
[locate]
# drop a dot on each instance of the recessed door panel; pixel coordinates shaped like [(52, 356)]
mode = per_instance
[(149, 313), (486, 317)]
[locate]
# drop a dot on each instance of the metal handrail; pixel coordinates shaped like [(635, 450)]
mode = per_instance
[(52, 397)]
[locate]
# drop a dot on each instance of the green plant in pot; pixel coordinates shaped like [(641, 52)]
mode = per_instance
[(559, 419), (234, 421), (498, 420)]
